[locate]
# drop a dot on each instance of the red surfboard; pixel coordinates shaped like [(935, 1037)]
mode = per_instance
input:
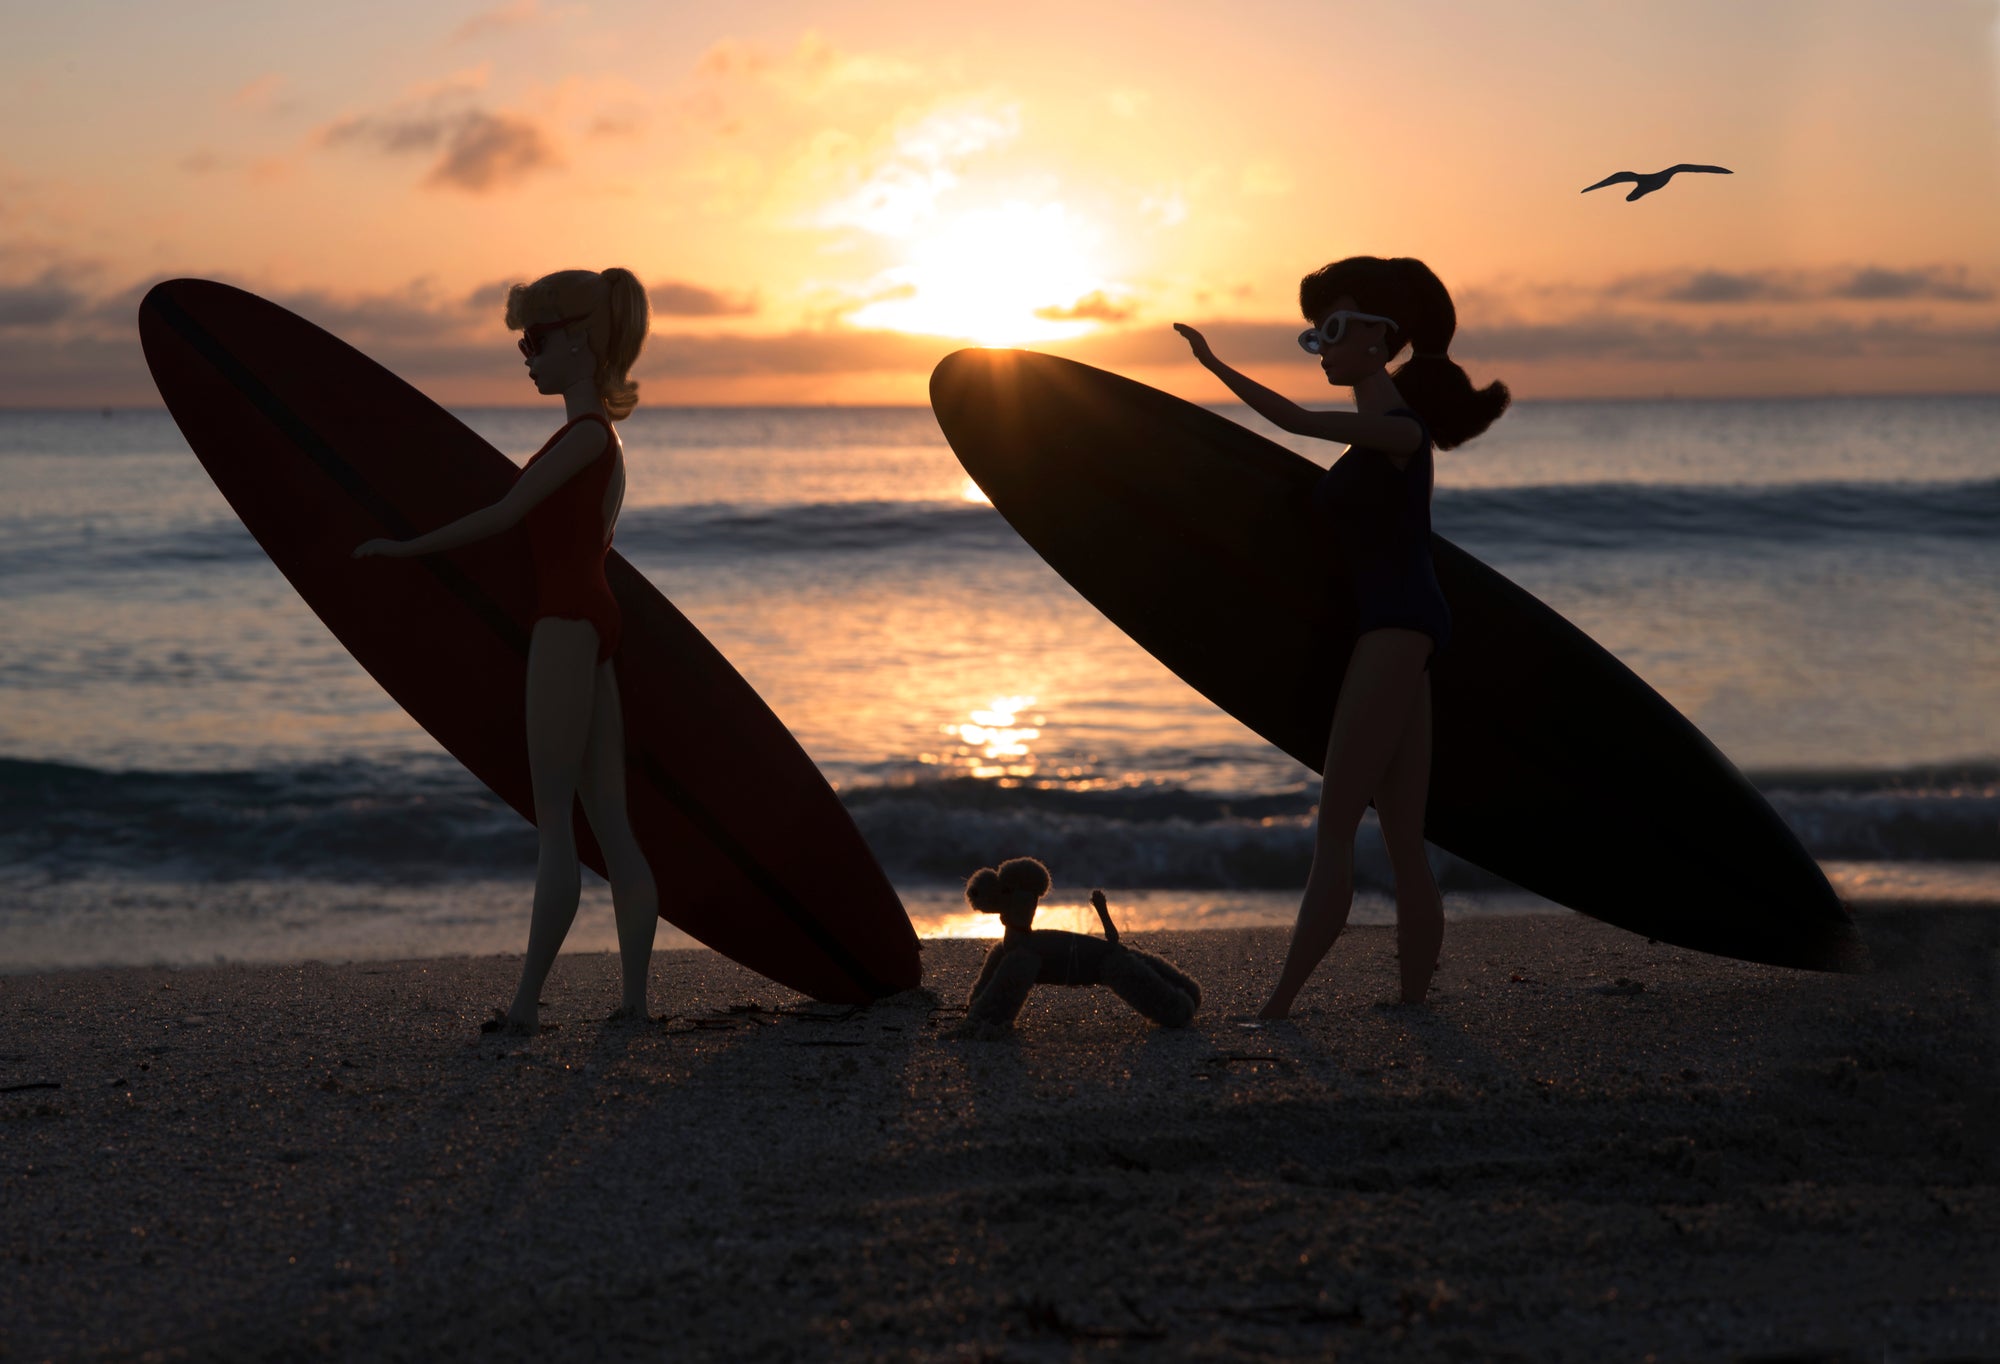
[(318, 448)]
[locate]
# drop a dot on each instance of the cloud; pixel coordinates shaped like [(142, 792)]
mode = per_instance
[(36, 304), (1717, 286), (797, 352), (618, 120), (1594, 337), (1869, 283), (897, 191), (675, 299), (1934, 282), (1095, 306), (478, 150), (264, 95), (812, 70), (499, 19), (485, 150), (1603, 337)]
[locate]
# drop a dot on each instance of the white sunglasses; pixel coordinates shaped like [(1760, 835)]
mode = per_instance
[(1315, 340)]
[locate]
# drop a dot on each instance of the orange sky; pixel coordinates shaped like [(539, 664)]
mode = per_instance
[(823, 199)]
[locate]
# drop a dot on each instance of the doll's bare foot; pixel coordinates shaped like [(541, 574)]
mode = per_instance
[(629, 1014), (509, 1025)]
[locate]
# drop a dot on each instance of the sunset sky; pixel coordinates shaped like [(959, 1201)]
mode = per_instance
[(825, 198)]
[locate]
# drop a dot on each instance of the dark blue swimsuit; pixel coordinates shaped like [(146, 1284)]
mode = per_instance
[(1376, 524)]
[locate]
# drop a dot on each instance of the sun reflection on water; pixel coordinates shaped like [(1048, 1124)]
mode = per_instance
[(994, 743)]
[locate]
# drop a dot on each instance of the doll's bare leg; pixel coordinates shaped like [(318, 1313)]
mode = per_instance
[(1399, 801), (1376, 700), (1135, 978), (635, 896), (562, 657)]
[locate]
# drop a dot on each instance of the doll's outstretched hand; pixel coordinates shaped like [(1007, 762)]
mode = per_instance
[(385, 549), (1196, 343)]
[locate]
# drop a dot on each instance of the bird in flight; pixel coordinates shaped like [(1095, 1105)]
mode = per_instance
[(1646, 184)]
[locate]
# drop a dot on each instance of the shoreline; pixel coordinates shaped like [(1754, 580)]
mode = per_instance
[(1586, 1146), (113, 925)]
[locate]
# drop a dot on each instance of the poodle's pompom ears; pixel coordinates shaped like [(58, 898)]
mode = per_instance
[(992, 890), (1025, 874), (982, 890)]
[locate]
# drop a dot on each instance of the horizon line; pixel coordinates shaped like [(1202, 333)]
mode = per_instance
[(1543, 400)]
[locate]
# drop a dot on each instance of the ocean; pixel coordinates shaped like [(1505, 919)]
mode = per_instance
[(192, 769)]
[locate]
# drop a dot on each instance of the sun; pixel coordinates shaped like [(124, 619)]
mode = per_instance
[(997, 276)]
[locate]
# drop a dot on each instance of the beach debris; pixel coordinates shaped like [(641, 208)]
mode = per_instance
[(31, 1084), (1647, 183), (1624, 985), (821, 1013), (1218, 1064), (1044, 1315), (824, 1042), (1305, 1313), (751, 1015)]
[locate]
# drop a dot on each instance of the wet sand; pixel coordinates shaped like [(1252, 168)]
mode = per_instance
[(1585, 1147)]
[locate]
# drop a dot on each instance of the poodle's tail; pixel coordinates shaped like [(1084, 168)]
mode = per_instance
[(1104, 917)]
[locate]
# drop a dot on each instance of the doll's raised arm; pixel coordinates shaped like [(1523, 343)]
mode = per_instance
[(1397, 435)]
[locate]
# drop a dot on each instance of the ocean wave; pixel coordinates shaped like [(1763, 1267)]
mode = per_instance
[(723, 528), (1633, 517), (1504, 523), (429, 820)]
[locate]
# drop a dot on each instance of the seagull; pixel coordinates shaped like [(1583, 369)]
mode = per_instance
[(1646, 184)]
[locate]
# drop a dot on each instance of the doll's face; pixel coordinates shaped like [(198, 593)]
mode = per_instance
[(561, 357), (1350, 359)]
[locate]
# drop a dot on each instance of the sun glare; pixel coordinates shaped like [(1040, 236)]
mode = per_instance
[(998, 277)]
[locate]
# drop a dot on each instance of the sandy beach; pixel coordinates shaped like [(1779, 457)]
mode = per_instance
[(1586, 1147)]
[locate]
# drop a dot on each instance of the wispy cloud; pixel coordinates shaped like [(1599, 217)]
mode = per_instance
[(895, 192), (1867, 283), (475, 149), (484, 151), (1933, 283), (811, 70), (499, 19), (264, 95), (675, 299), (39, 302), (1096, 306)]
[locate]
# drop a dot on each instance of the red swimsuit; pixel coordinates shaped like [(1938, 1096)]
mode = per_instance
[(568, 539)]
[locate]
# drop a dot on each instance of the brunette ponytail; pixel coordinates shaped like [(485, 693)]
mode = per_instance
[(1404, 288)]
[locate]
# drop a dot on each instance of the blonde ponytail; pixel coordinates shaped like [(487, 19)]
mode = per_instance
[(628, 316), (613, 304)]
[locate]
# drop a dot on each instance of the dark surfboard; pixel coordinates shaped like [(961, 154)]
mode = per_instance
[(318, 448), (1556, 766)]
